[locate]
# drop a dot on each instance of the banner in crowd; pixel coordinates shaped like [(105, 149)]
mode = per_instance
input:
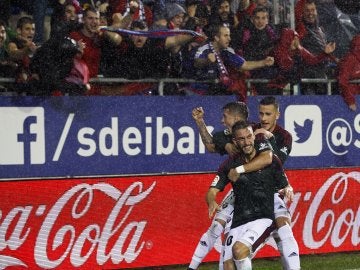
[(87, 136), (141, 221)]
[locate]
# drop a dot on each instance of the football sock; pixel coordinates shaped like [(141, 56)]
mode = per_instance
[(290, 248)]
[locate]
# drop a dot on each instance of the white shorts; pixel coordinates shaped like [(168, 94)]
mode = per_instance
[(247, 234), (226, 210), (280, 208)]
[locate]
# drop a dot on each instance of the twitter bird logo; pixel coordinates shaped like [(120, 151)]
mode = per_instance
[(303, 132)]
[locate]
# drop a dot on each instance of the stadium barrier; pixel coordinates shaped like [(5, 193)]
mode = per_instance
[(162, 81)]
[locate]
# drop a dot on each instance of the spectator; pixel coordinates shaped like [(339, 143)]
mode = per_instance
[(257, 42), (22, 48), (197, 20), (267, 4), (91, 35), (7, 67), (39, 12), (64, 18), (175, 15), (146, 57), (198, 16), (221, 14), (349, 69), (314, 40), (58, 69), (243, 16), (290, 58), (244, 13), (216, 60), (142, 12)]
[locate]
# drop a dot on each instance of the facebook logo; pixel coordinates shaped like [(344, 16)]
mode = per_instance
[(22, 135), (304, 122)]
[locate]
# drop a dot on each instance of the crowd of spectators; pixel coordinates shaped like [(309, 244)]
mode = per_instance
[(195, 39)]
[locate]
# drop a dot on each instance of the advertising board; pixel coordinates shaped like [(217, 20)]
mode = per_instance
[(102, 136), (143, 221)]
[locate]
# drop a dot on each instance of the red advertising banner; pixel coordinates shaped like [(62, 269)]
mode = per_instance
[(140, 221)]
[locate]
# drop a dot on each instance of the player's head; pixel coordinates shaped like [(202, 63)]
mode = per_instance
[(268, 113), (244, 137), (233, 112)]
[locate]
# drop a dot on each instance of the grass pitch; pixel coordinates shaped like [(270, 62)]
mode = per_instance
[(332, 261)]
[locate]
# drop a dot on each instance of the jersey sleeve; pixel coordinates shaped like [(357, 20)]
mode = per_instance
[(220, 139), (262, 145), (280, 176), (221, 180), (282, 145)]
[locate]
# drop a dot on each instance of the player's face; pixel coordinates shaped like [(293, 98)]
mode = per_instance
[(27, 31), (91, 21), (268, 115), (223, 38), (244, 139), (310, 13), (260, 20), (229, 119)]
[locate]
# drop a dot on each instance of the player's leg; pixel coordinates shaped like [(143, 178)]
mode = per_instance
[(208, 239), (285, 241), (243, 241)]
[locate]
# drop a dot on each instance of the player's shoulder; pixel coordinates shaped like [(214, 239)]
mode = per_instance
[(222, 133), (281, 131)]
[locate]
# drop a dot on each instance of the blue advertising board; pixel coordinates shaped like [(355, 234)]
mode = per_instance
[(89, 136)]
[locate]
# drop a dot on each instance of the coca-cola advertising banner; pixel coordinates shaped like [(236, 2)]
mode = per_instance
[(87, 136), (129, 222)]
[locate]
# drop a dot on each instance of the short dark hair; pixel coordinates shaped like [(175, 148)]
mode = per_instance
[(214, 29), (215, 4), (24, 20), (240, 125), (90, 9), (138, 24), (270, 100), (238, 108), (260, 9)]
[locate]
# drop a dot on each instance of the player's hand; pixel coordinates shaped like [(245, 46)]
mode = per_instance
[(267, 134), (213, 207), (233, 175), (287, 192), (198, 113), (352, 107)]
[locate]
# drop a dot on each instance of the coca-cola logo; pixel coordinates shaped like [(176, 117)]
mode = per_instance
[(328, 220), (117, 238)]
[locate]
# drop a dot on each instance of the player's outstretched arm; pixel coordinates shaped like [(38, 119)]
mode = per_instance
[(211, 201), (206, 138), (261, 161)]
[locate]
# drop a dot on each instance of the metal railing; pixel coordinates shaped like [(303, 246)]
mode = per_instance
[(162, 81)]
